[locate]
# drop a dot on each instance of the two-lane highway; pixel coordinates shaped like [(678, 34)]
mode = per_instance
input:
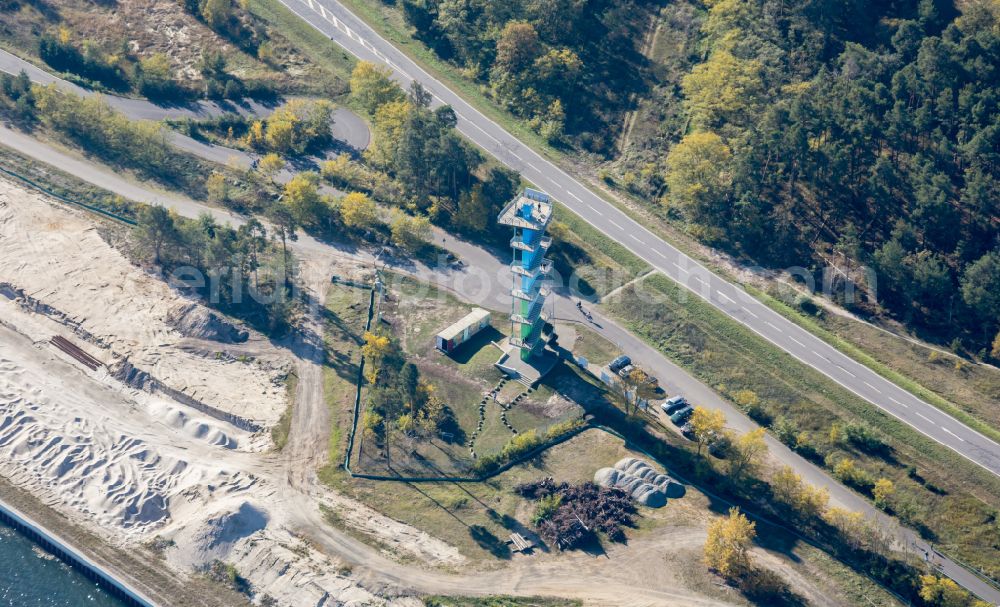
[(333, 19)]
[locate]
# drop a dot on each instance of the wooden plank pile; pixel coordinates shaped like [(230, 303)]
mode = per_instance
[(75, 352)]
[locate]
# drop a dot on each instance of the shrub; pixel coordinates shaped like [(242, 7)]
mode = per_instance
[(547, 506)]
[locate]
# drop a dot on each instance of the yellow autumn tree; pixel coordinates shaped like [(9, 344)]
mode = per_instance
[(883, 492), (388, 125), (358, 211), (851, 524), (943, 592), (409, 232), (269, 165), (805, 499), (374, 350), (746, 454), (301, 195), (372, 86), (727, 547), (699, 176), (707, 424), (723, 90)]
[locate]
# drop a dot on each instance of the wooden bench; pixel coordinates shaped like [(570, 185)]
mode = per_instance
[(520, 544)]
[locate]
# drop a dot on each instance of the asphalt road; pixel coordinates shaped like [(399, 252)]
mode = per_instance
[(347, 126), (484, 280), (334, 20)]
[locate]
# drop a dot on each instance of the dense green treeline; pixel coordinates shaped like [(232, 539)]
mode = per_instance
[(431, 168), (851, 135), (567, 67), (238, 270), (92, 124)]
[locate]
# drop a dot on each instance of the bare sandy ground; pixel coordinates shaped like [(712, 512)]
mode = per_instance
[(55, 262), (134, 465)]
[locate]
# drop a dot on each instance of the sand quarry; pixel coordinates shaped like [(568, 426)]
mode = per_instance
[(145, 445)]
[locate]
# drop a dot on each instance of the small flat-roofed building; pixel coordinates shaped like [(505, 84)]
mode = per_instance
[(462, 331)]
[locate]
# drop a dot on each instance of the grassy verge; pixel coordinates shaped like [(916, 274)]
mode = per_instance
[(947, 498), (308, 41), (279, 433), (346, 313), (593, 346), (497, 601), (587, 261), (876, 365), (64, 184), (389, 24)]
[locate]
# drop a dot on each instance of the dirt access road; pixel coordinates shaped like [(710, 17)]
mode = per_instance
[(311, 421), (347, 127)]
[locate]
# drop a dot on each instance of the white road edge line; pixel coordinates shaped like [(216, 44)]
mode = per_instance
[(481, 115)]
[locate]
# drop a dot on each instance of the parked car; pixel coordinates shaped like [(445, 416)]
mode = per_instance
[(674, 404), (720, 446), (682, 415), (619, 362), (688, 431)]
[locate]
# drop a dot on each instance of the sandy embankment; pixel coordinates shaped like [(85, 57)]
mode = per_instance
[(57, 263), (131, 464)]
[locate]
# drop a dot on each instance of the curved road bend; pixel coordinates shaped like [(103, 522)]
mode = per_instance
[(477, 283), (334, 20), (347, 126)]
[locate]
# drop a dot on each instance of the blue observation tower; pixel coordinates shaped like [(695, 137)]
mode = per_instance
[(529, 214)]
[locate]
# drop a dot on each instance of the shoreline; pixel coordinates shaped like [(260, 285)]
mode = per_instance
[(160, 584), (51, 542)]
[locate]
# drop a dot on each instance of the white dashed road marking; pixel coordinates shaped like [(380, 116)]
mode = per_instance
[(953, 434), (904, 405), (873, 387), (848, 372)]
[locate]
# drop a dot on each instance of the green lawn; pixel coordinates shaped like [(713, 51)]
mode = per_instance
[(586, 260), (951, 499), (346, 313), (964, 390), (414, 312)]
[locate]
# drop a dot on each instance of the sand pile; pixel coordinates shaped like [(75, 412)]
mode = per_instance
[(639, 480), (54, 262), (67, 437)]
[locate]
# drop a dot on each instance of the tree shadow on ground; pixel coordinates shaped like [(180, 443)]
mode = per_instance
[(489, 542)]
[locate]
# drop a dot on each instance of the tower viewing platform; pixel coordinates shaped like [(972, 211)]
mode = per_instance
[(529, 214)]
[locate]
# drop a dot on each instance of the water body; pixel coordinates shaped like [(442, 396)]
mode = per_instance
[(31, 577)]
